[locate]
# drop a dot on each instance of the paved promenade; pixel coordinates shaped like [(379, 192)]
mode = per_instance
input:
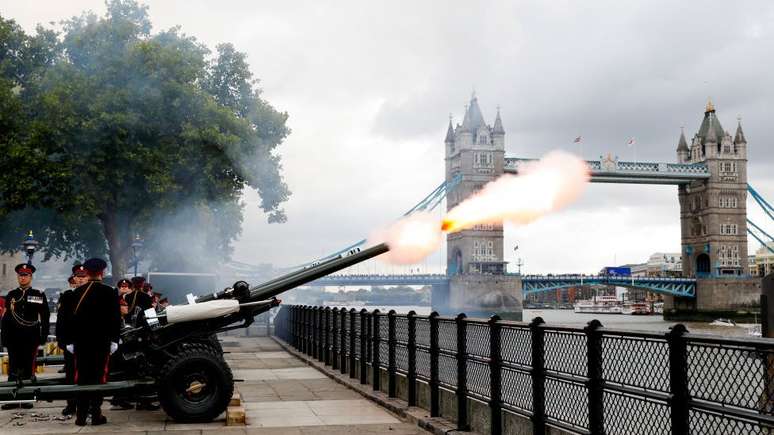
[(280, 393)]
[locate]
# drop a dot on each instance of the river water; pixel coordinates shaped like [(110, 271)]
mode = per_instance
[(570, 318)]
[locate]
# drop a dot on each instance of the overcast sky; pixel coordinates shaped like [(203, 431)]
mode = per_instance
[(369, 87)]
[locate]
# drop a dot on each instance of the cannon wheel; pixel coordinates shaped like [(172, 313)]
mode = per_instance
[(196, 385)]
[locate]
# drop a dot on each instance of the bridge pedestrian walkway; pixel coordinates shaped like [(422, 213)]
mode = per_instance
[(281, 395)]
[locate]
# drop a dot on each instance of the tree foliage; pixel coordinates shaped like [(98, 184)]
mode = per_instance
[(116, 130)]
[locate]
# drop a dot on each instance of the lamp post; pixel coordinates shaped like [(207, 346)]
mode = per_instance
[(29, 245), (136, 247)]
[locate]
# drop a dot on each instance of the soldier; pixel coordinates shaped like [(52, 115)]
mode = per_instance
[(24, 327), (124, 287), (80, 275), (63, 337), (137, 300), (96, 324)]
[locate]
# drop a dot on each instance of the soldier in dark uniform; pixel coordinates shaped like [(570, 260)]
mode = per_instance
[(96, 325), (24, 327), (63, 330), (124, 286), (138, 302)]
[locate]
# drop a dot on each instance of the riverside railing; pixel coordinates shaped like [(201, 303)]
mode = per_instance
[(492, 375)]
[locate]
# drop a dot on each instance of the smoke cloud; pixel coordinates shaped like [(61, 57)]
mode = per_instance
[(540, 188)]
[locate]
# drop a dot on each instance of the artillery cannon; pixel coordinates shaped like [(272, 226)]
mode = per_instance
[(175, 354)]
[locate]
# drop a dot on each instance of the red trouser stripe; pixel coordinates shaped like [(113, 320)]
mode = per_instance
[(105, 369), (75, 368), (34, 360)]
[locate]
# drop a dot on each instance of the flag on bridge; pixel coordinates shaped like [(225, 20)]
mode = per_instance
[(577, 140)]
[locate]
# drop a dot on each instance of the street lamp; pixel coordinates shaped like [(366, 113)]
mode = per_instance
[(136, 246), (29, 245)]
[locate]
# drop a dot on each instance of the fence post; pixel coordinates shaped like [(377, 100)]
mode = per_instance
[(268, 323), (313, 331), (304, 336), (435, 399), (391, 345), (376, 357), (462, 373), (594, 372), (495, 374), (538, 377), (327, 338), (334, 338), (320, 332), (678, 378), (412, 358), (343, 340), (363, 345), (352, 334), (312, 350)]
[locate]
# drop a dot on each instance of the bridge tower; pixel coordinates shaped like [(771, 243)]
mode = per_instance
[(478, 285), (713, 218)]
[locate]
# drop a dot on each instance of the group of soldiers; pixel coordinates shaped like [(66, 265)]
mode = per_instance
[(90, 316)]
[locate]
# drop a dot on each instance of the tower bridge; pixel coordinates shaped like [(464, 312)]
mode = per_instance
[(711, 178)]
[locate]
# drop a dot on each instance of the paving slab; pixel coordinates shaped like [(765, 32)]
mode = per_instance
[(282, 395)]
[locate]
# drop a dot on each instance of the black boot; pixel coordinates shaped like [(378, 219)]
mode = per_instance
[(98, 419), (68, 410), (7, 406), (80, 419)]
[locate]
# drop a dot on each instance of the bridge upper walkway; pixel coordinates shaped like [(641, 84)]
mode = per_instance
[(610, 170)]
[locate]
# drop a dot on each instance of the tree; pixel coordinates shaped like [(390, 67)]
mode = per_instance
[(132, 132)]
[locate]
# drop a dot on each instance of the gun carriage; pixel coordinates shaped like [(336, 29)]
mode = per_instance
[(175, 354)]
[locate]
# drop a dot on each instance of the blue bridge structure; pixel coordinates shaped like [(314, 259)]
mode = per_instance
[(683, 287)]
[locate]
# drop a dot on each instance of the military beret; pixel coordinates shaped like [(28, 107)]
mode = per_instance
[(137, 282), (123, 282), (147, 286), (95, 265), (79, 270), (24, 269)]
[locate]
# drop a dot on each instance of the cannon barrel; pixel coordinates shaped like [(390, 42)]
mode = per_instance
[(292, 280)]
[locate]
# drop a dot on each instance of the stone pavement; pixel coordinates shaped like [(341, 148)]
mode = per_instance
[(280, 393)]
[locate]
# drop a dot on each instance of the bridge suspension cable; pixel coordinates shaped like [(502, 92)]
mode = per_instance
[(759, 234), (756, 231), (761, 201), (428, 203)]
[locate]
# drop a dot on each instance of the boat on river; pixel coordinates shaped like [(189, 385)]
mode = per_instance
[(599, 305)]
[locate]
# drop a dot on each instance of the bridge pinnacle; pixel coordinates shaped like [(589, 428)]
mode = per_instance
[(710, 107)]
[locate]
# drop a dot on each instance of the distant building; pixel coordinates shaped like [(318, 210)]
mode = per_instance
[(762, 263), (7, 274), (665, 264)]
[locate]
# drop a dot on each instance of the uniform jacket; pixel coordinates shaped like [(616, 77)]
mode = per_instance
[(64, 314), (26, 319), (96, 318)]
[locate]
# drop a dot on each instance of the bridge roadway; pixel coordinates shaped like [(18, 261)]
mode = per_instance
[(684, 287)]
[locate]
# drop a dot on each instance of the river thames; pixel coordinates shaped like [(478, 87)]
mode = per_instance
[(570, 318)]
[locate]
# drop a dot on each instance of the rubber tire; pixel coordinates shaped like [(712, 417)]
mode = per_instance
[(201, 359)]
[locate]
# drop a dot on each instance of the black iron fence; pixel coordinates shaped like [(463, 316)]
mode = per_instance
[(591, 380)]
